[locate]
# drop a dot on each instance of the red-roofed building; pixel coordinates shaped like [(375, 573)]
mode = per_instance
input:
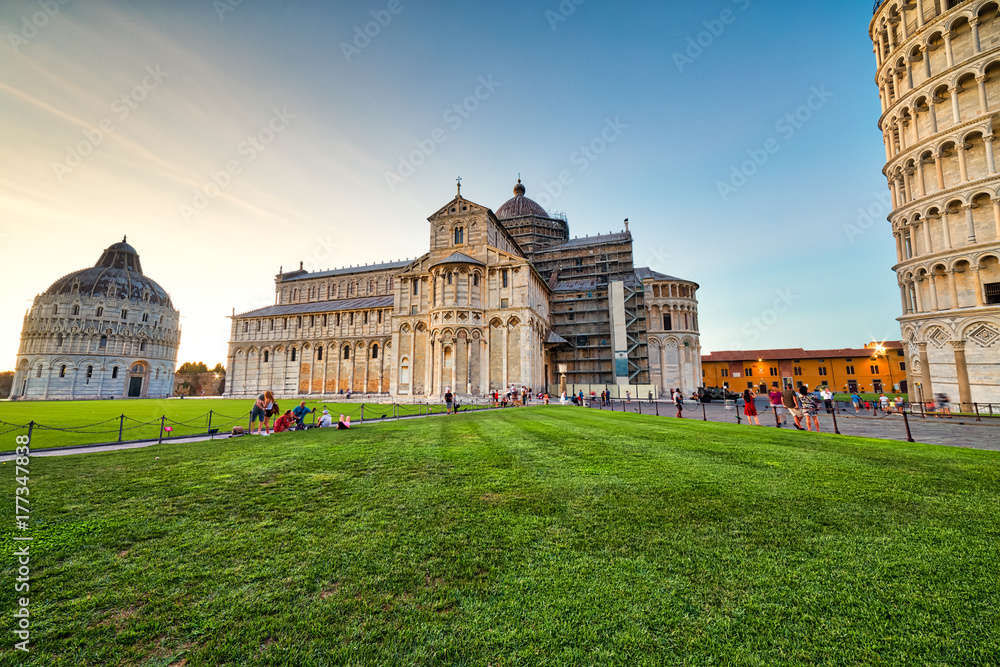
[(877, 367)]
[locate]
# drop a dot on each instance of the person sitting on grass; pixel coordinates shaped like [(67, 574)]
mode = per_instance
[(344, 423), (261, 412), (326, 421), (299, 413), (284, 422)]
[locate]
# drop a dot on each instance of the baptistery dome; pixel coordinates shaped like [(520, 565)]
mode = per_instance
[(107, 331)]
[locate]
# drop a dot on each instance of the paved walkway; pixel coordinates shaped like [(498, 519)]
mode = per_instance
[(952, 432)]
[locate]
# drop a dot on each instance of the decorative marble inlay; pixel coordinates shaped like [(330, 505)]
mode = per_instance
[(984, 335), (938, 337)]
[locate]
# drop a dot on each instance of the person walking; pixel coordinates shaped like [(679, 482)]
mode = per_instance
[(679, 402), (750, 407), (790, 401), (856, 401), (448, 399), (774, 397), (828, 400), (808, 403), (261, 412)]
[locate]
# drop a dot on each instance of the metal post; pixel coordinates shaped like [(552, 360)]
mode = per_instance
[(836, 429), (704, 415), (162, 420), (250, 422), (657, 404), (909, 436), (777, 421), (31, 427), (121, 427), (210, 422), (736, 409), (922, 415), (362, 413), (976, 406)]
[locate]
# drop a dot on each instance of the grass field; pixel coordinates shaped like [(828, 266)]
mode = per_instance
[(98, 421), (522, 537)]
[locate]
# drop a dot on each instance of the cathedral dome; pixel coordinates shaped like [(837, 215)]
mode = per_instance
[(117, 274), (520, 206)]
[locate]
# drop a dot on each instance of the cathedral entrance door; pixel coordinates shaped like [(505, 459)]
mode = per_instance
[(135, 387)]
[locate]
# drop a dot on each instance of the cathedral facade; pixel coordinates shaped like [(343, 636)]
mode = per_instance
[(107, 331), (500, 299)]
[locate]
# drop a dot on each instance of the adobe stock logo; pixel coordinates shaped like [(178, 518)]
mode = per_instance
[(38, 20)]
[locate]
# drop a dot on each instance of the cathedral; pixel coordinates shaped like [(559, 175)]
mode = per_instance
[(500, 299)]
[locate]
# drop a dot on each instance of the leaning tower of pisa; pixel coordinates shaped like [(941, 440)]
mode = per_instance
[(939, 81)]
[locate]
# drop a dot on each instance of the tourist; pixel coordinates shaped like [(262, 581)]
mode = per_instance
[(300, 413), (827, 400), (448, 399), (260, 412), (775, 399), (790, 401), (750, 406), (883, 403), (899, 403), (628, 397), (856, 401), (284, 422), (808, 403), (546, 398), (944, 405), (326, 421), (580, 397), (679, 402), (650, 398), (344, 423)]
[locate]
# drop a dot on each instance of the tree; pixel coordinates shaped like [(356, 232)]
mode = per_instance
[(190, 367), (219, 368)]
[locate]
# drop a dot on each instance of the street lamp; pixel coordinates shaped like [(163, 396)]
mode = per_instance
[(881, 350)]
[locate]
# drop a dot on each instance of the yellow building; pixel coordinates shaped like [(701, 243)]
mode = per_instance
[(877, 368)]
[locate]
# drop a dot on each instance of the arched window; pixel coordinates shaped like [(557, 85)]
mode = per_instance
[(319, 353), (124, 314), (347, 352), (138, 368), (334, 291), (293, 354), (392, 283), (371, 286), (266, 356), (58, 340), (38, 372), (145, 317), (76, 310), (459, 235), (55, 309), (450, 277), (100, 311), (375, 351), (114, 372), (475, 280), (90, 373), (157, 377), (142, 346), (62, 371)]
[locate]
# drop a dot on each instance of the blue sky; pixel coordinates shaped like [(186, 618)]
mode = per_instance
[(332, 149)]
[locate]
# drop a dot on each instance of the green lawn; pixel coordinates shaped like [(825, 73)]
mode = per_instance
[(90, 422), (543, 536)]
